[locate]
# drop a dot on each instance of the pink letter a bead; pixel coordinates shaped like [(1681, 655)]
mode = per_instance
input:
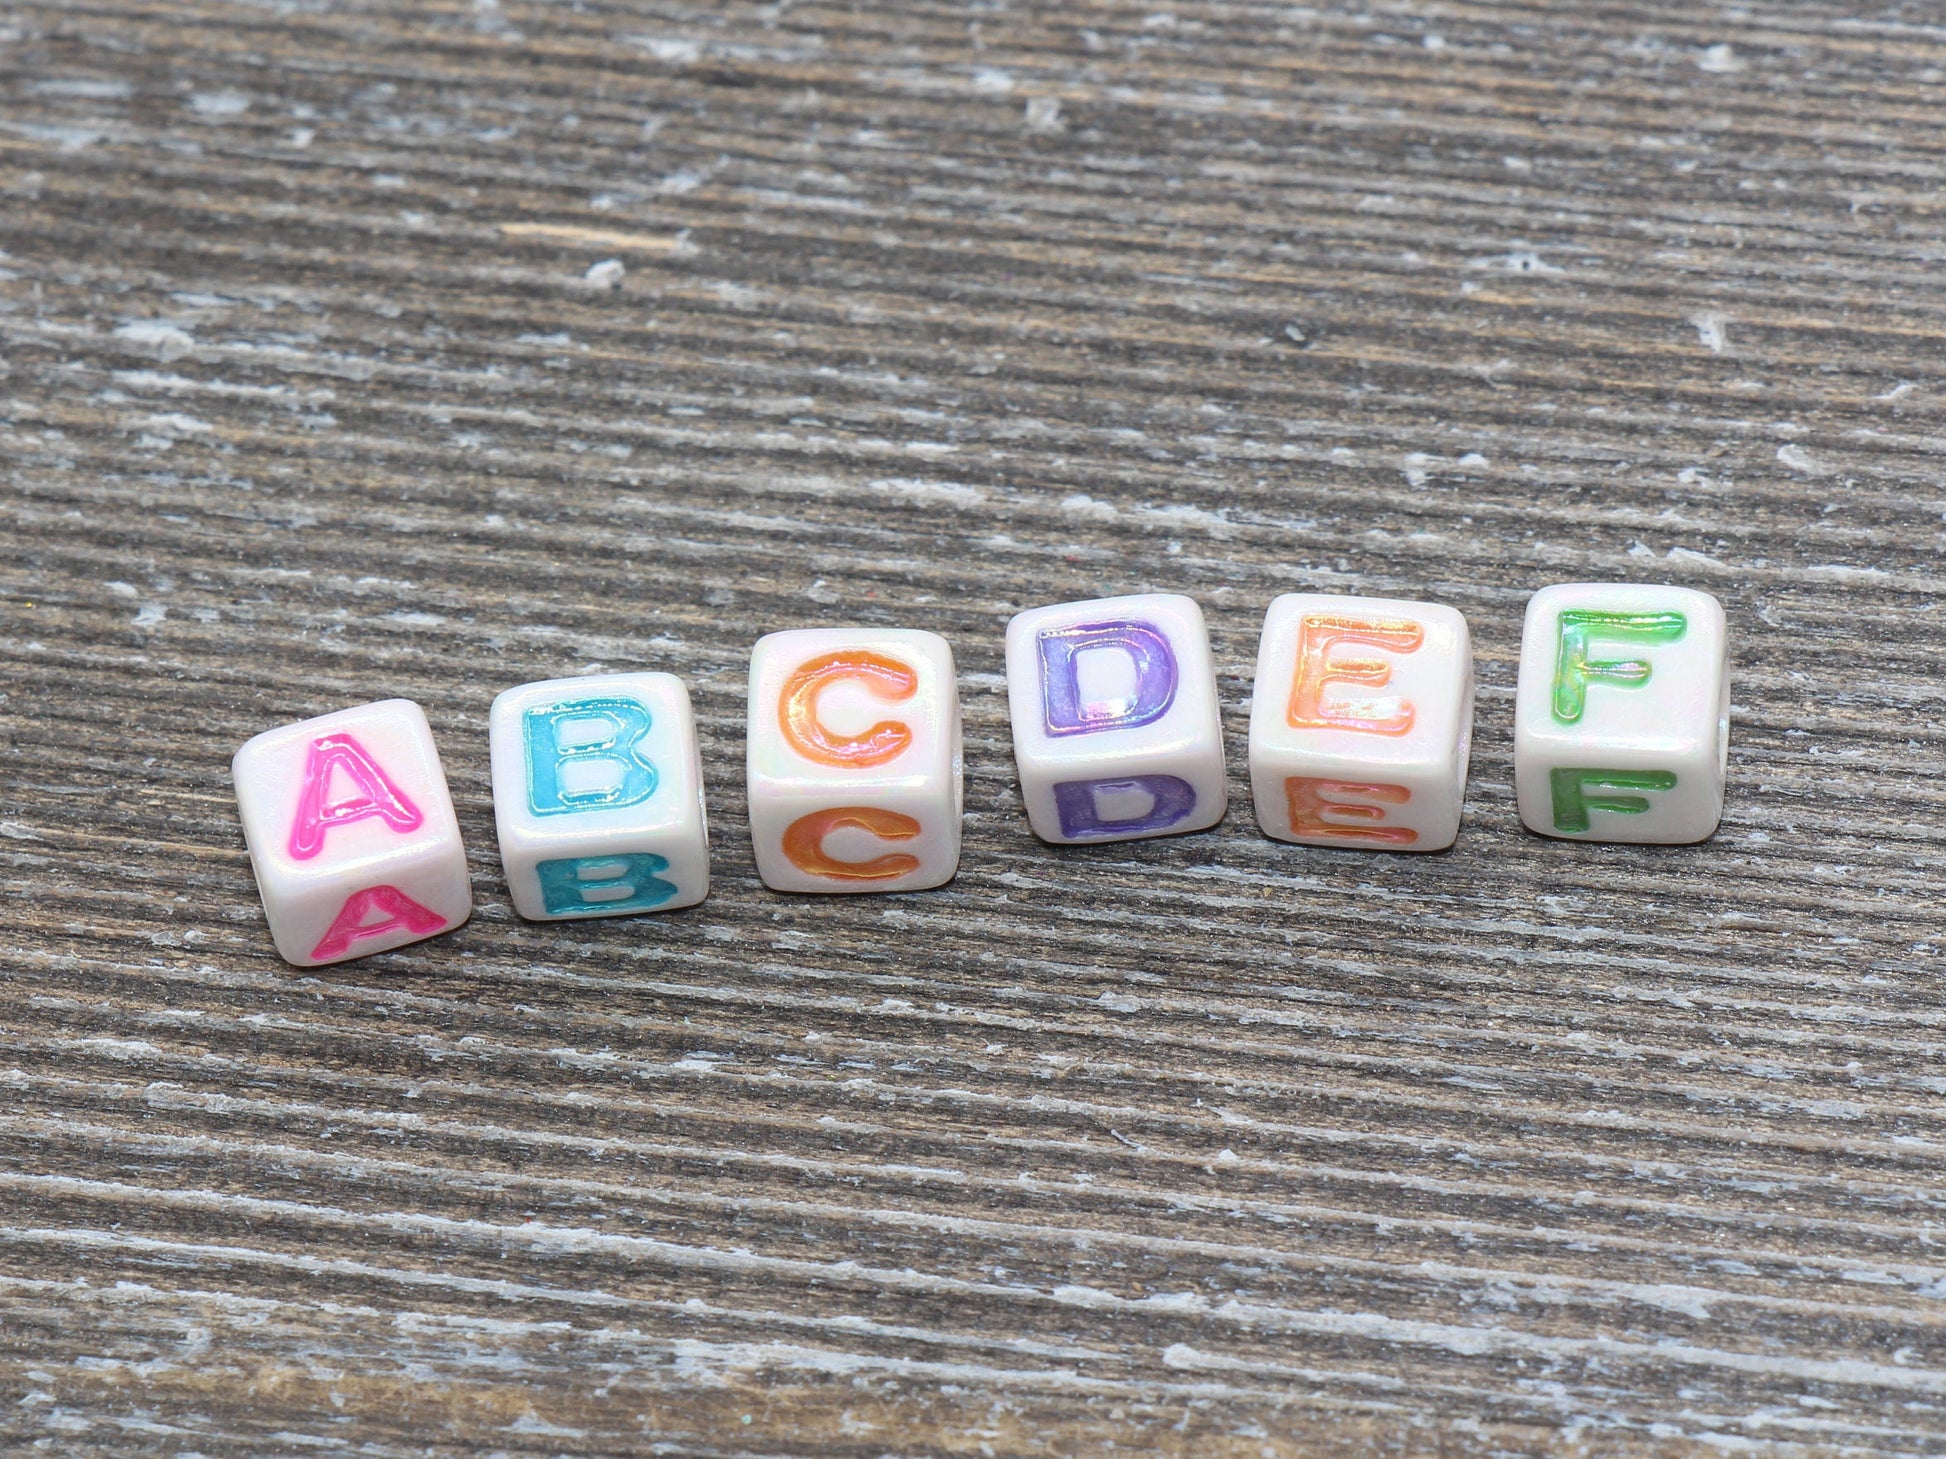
[(352, 833)]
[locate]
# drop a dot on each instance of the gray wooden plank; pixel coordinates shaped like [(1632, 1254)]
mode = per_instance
[(1202, 1146)]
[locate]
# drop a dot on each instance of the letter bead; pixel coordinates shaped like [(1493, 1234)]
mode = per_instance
[(1362, 722), (598, 796), (854, 760), (1117, 734), (1622, 714), (351, 833)]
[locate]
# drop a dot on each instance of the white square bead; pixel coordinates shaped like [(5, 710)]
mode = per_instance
[(598, 796), (352, 833), (1362, 722), (854, 760), (1622, 717), (1117, 734)]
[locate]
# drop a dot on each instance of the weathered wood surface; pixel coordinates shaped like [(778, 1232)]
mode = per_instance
[(1207, 1147)]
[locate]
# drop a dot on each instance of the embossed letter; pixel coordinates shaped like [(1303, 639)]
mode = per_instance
[(401, 914), (804, 843), (626, 882), (1317, 635), (1312, 799), (1572, 802), (1573, 669), (1075, 801), (797, 710), (567, 773), (377, 795), (1155, 677)]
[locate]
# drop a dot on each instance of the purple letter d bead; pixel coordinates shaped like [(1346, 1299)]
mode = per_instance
[(1155, 677)]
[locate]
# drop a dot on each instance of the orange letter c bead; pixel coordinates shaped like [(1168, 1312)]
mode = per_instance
[(797, 711), (804, 843)]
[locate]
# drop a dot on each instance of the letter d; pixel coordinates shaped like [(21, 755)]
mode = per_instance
[(1065, 710)]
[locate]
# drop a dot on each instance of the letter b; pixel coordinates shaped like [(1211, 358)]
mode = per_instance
[(605, 770), (627, 882)]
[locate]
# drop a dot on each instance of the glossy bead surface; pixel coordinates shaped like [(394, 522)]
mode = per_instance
[(1362, 722), (1117, 734), (351, 833), (598, 796), (1622, 716), (854, 760)]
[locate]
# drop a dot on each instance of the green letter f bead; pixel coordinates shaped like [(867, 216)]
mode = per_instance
[(1572, 800), (1573, 669)]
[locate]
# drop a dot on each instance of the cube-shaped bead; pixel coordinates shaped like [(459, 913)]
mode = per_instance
[(854, 758), (1117, 734), (352, 833), (1362, 722), (598, 796), (1622, 716)]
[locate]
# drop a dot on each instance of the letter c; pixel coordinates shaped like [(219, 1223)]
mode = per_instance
[(797, 709), (804, 843)]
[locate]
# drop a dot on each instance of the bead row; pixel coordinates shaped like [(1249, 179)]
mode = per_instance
[(1360, 734)]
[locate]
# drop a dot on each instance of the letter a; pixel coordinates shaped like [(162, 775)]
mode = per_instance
[(378, 795), (402, 914)]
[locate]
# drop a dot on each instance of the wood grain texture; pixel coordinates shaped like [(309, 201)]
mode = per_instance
[(1203, 1147)]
